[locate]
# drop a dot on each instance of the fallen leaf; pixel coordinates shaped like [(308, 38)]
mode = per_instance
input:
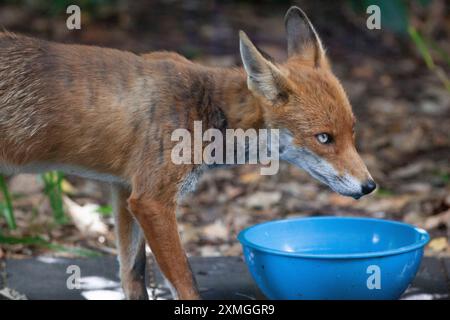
[(216, 230), (209, 251), (233, 192), (67, 187), (341, 201), (12, 294), (412, 169), (438, 244), (233, 250), (263, 199), (437, 220), (86, 218), (414, 218), (250, 177), (189, 233), (391, 203)]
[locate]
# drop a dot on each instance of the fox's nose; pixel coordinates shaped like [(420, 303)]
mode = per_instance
[(368, 186)]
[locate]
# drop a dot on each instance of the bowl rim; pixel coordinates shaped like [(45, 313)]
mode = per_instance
[(425, 237)]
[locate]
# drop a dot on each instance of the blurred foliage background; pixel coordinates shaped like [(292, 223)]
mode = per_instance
[(397, 79)]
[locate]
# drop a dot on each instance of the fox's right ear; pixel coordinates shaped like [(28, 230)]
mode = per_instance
[(263, 77), (302, 38)]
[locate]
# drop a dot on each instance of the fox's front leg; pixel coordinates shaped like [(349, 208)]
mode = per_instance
[(155, 212)]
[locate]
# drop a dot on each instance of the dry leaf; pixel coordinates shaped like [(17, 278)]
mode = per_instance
[(263, 200), (67, 187), (216, 230), (437, 220), (250, 177), (86, 218), (341, 201), (438, 244)]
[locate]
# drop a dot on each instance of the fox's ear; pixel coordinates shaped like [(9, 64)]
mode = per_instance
[(302, 38), (263, 77)]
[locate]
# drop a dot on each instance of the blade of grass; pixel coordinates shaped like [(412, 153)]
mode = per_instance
[(422, 47), (7, 208), (444, 55), (53, 190), (40, 242), (444, 78), (426, 55)]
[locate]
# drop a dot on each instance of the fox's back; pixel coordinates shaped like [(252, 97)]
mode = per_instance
[(54, 98), (100, 108), (37, 76)]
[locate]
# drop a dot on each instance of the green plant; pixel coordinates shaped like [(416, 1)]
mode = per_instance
[(423, 46), (53, 189), (384, 192), (6, 208), (105, 211)]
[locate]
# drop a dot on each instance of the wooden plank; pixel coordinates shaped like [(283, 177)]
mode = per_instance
[(218, 278), (46, 278), (431, 282), (2, 277)]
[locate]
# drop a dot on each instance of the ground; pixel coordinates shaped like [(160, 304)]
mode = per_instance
[(218, 278)]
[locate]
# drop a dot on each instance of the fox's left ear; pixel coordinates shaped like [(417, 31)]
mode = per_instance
[(302, 38), (264, 78)]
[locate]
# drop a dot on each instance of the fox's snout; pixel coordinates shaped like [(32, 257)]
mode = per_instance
[(344, 184), (349, 165), (351, 179), (366, 187)]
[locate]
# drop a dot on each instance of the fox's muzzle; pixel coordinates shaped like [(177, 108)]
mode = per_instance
[(345, 184)]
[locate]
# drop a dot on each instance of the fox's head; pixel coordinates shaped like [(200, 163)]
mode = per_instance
[(303, 99)]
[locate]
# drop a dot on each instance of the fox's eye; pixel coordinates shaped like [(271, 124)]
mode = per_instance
[(324, 138)]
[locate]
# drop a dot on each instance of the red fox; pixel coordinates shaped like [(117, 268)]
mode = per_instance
[(108, 114)]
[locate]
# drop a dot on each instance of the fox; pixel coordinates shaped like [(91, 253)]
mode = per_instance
[(107, 114)]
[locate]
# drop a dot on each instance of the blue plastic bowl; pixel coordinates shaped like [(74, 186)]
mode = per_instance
[(333, 257)]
